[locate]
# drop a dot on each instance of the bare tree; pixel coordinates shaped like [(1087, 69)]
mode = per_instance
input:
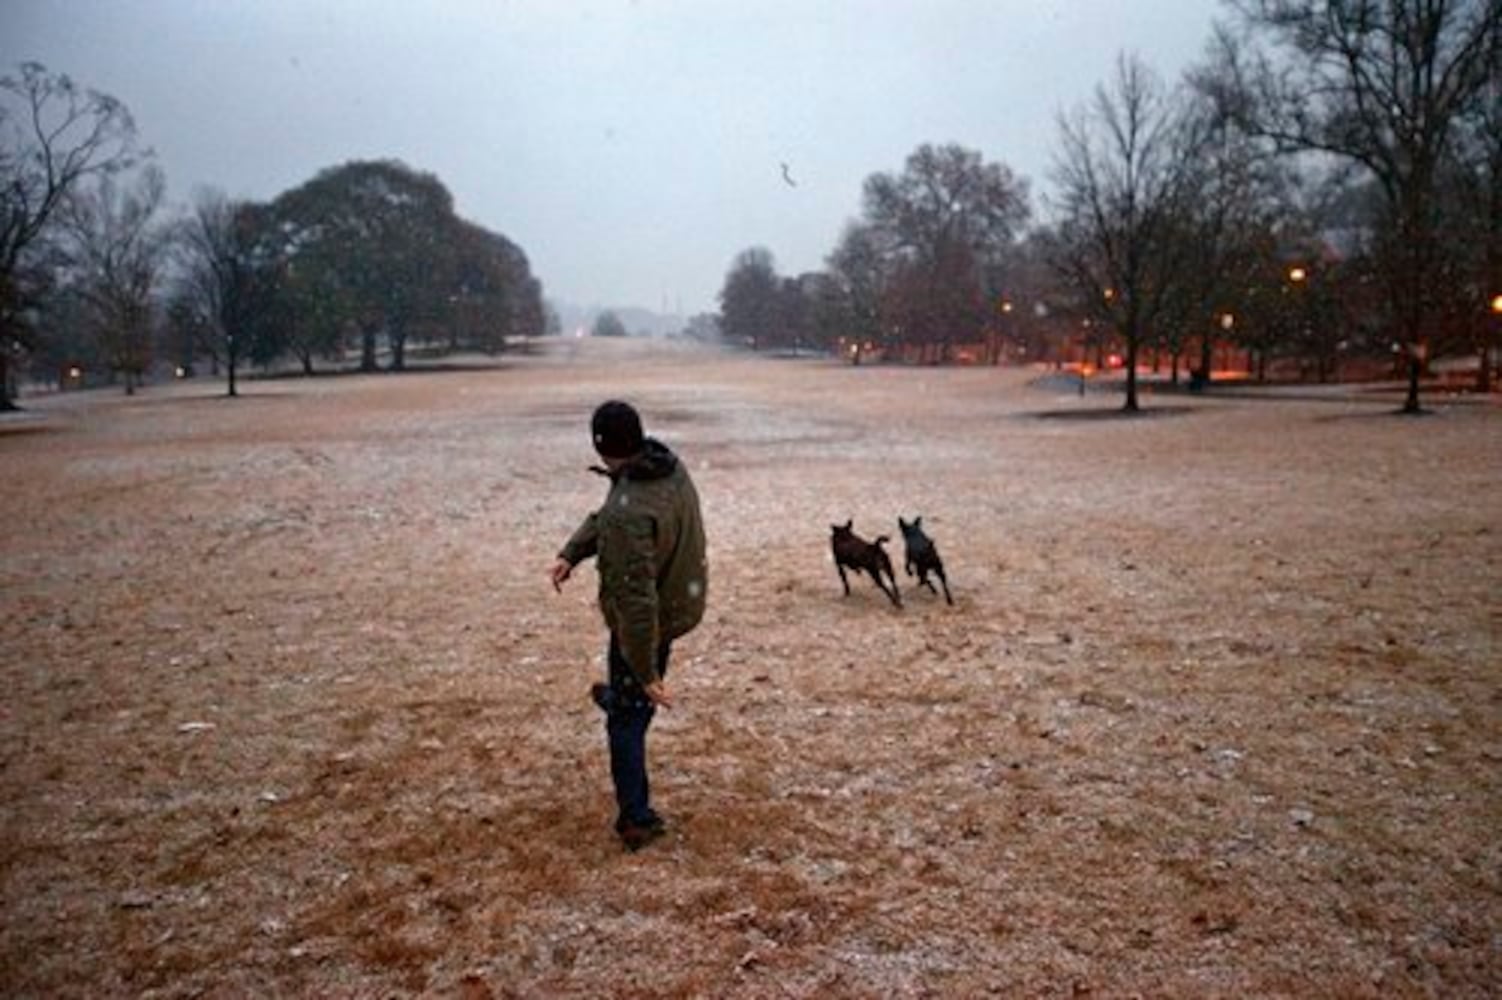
[(116, 247), (1126, 175), (227, 276), (1380, 84), (1471, 215), (53, 135), (1240, 193)]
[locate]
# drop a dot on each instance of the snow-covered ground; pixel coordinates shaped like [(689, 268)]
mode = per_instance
[(291, 708)]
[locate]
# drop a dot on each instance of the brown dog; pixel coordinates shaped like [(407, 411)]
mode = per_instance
[(860, 555)]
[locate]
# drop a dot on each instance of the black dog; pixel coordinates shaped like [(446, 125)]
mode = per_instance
[(854, 551), (922, 556)]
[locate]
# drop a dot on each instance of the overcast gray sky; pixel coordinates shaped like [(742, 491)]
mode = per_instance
[(631, 148)]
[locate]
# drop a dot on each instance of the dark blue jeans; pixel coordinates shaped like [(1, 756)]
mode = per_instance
[(626, 726)]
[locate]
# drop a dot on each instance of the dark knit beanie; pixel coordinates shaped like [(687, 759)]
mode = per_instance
[(617, 430)]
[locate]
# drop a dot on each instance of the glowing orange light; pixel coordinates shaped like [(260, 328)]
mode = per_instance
[(1006, 307), (1297, 274), (1227, 321), (1497, 304)]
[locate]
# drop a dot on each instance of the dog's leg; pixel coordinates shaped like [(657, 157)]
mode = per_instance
[(908, 566), (843, 580), (876, 575), (939, 572)]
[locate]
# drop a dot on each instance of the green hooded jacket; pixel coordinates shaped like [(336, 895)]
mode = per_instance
[(648, 538)]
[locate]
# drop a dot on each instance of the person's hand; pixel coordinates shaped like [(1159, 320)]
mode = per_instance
[(658, 694), (560, 572)]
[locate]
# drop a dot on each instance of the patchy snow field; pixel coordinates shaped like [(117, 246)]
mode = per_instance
[(291, 709)]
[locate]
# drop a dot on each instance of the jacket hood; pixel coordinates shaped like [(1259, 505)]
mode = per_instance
[(656, 461)]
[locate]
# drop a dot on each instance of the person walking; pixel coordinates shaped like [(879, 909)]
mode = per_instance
[(648, 543)]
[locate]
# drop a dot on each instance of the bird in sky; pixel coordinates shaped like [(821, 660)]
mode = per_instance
[(787, 176)]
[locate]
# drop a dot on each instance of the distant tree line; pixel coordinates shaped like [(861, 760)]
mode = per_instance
[(608, 324), (1325, 190), (366, 260)]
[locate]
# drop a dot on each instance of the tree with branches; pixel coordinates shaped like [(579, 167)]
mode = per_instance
[(389, 231), (1471, 217), (1128, 173), (944, 226), (116, 246), (1380, 84), (860, 273), (750, 299), (228, 280), (54, 135)]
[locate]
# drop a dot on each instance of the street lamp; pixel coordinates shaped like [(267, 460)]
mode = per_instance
[(1297, 274), (1001, 332), (1486, 355), (1227, 321)]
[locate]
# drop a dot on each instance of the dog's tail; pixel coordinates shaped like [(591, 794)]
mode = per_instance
[(881, 540)]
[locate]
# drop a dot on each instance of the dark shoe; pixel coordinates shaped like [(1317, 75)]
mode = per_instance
[(636, 837), (604, 696), (653, 820)]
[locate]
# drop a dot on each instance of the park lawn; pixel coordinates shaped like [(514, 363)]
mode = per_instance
[(291, 709)]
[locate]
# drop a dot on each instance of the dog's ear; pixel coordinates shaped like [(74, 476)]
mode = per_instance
[(901, 523), (917, 521), (850, 524)]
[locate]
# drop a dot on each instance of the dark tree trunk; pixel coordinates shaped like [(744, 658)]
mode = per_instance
[(7, 402), (1130, 405), (398, 351), (1415, 367), (367, 348)]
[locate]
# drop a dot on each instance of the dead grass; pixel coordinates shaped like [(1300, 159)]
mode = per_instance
[(291, 710)]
